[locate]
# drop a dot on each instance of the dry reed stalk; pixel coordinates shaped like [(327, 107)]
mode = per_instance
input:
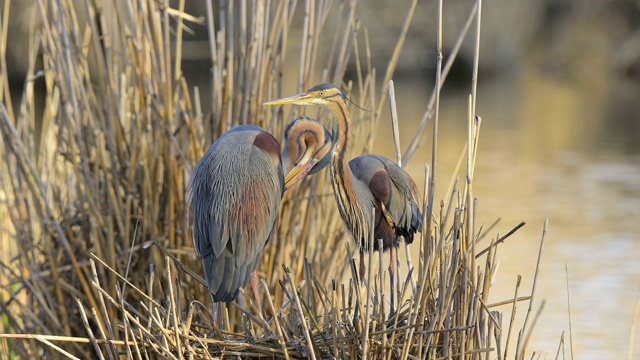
[(522, 345), (120, 138), (513, 316), (632, 330), (430, 111), (396, 55), (566, 269)]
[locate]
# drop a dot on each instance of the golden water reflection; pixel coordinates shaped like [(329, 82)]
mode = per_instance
[(547, 149)]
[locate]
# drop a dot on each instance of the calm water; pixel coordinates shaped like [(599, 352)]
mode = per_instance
[(566, 151)]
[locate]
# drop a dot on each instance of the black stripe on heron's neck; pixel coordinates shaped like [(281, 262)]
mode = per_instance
[(341, 176), (343, 137), (343, 118)]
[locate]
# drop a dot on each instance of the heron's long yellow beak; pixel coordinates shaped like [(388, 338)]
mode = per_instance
[(298, 99), (298, 173)]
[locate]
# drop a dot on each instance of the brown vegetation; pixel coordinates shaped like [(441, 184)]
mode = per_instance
[(104, 266)]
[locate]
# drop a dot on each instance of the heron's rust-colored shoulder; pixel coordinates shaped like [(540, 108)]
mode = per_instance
[(267, 143), (379, 185)]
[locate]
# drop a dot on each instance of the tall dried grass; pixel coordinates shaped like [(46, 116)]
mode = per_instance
[(104, 266)]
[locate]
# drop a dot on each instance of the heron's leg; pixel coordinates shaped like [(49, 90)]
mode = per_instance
[(363, 269), (217, 314), (392, 279), (254, 286)]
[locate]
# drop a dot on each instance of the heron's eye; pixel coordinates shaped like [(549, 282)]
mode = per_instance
[(322, 93)]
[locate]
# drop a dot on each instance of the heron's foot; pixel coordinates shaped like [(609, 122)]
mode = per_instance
[(356, 318), (217, 331), (391, 321), (392, 316)]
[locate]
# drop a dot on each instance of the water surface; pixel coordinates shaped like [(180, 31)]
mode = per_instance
[(558, 149)]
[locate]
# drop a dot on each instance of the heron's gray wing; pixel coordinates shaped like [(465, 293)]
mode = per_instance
[(255, 216), (394, 191), (234, 204), (405, 206)]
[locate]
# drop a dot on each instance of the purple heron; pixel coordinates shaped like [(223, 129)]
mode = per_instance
[(234, 195), (365, 183)]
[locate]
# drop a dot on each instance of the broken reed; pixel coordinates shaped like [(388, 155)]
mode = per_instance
[(104, 264)]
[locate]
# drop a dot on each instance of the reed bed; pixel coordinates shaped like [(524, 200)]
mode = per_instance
[(94, 195)]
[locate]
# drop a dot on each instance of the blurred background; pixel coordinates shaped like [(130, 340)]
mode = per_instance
[(559, 97)]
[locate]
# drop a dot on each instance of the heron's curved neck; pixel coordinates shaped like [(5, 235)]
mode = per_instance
[(341, 141), (345, 186)]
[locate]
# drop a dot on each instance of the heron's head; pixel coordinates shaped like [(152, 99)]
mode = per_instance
[(319, 95), (307, 149)]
